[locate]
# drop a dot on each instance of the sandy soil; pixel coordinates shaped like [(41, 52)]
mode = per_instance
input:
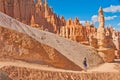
[(107, 67)]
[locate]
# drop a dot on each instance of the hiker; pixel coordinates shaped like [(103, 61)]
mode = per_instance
[(85, 63)]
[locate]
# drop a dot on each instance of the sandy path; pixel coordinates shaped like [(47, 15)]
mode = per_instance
[(32, 66), (106, 67)]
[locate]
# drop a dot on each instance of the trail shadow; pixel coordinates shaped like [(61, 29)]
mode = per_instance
[(116, 61)]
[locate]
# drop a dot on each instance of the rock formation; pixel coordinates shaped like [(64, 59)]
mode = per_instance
[(106, 46), (22, 42), (100, 38), (76, 31), (101, 30), (19, 46), (27, 10), (116, 41), (39, 15)]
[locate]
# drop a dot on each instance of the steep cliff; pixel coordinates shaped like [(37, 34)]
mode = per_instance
[(25, 10), (18, 9)]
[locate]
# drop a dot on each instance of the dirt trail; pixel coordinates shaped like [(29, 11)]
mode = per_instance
[(106, 67), (32, 71), (32, 66)]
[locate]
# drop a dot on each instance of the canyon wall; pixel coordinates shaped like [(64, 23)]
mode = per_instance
[(37, 14)]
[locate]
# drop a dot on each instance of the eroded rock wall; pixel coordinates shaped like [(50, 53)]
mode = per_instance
[(25, 10), (14, 45)]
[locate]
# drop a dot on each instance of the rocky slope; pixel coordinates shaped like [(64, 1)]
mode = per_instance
[(73, 51), (14, 45)]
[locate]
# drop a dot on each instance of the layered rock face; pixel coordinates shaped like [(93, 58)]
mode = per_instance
[(76, 31), (18, 9), (14, 45), (37, 14)]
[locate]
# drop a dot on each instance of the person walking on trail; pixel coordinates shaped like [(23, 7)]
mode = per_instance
[(85, 64)]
